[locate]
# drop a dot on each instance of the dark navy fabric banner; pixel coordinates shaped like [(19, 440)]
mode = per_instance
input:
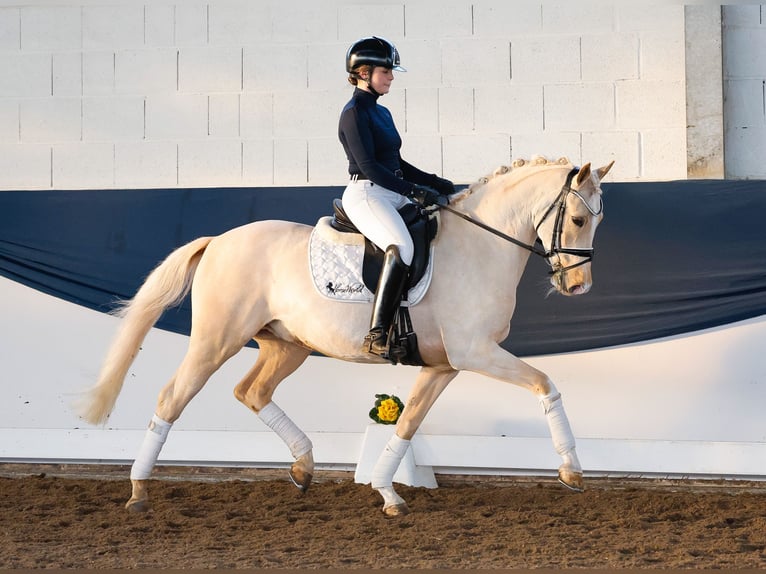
[(670, 257)]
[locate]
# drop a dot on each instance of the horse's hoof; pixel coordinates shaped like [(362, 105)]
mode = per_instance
[(396, 510), (136, 505), (301, 480), (572, 480)]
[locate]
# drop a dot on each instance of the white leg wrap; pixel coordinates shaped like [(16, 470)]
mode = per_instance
[(561, 432), (275, 418), (390, 498), (389, 460), (150, 449)]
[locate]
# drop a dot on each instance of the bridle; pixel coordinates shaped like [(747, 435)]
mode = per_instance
[(558, 205)]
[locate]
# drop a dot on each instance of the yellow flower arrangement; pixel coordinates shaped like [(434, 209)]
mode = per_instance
[(387, 409)]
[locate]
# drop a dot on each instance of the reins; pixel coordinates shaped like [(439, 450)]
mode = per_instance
[(556, 248), (533, 248)]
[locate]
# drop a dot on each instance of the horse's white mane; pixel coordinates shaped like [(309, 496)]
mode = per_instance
[(534, 162)]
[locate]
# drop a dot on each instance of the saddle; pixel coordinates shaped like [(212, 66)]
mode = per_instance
[(422, 227)]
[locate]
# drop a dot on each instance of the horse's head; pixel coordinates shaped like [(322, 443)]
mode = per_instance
[(567, 227)]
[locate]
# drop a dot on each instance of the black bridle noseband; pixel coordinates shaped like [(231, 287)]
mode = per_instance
[(559, 205)]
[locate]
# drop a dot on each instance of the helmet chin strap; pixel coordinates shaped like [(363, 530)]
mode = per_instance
[(372, 90)]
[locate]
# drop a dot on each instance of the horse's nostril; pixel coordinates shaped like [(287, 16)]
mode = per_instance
[(575, 289)]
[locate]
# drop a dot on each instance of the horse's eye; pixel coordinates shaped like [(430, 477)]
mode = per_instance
[(578, 221)]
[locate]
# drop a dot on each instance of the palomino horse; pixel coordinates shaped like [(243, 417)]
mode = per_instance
[(253, 282)]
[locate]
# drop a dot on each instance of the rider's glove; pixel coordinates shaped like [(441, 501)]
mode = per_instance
[(443, 186), (426, 196)]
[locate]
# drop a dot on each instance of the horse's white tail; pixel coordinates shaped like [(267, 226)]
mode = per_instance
[(166, 286)]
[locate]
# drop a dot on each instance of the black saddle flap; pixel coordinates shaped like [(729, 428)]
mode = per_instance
[(422, 229)]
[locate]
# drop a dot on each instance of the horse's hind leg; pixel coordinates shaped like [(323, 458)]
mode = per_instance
[(277, 360), (198, 365)]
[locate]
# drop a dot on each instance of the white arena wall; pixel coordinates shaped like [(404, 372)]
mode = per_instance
[(135, 94), (686, 406), (103, 94)]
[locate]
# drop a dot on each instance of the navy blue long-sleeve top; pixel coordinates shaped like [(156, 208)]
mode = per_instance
[(372, 143)]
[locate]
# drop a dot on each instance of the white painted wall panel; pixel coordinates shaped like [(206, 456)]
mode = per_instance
[(223, 115), (451, 19), (624, 148), (238, 23), (469, 157), (425, 151), (545, 59), (10, 28), (256, 115), (159, 25), (291, 161), (145, 72), (50, 120), (744, 86), (509, 109), (98, 73), (9, 121), (388, 18), (145, 164), (650, 104), (687, 405), (506, 19), (609, 57), (113, 119), (662, 55), (26, 166), (258, 162), (25, 74), (190, 24), (594, 102), (422, 111), (83, 165), (210, 69), (456, 110), (67, 74), (663, 152), (210, 163), (292, 54), (313, 22), (113, 27), (474, 61), (176, 116), (51, 28)]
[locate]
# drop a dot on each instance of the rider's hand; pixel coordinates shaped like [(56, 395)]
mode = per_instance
[(443, 186), (426, 196)]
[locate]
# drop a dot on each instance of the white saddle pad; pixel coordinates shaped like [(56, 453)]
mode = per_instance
[(335, 260)]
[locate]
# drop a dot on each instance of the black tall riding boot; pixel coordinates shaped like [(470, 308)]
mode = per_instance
[(388, 295)]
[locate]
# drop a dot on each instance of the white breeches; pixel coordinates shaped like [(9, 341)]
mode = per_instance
[(373, 209)]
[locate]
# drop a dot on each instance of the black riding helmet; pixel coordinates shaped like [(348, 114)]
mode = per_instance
[(373, 51)]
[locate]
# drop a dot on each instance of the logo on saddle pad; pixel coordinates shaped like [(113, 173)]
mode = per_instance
[(336, 261)]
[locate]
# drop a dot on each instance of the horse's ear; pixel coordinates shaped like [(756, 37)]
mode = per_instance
[(602, 171), (583, 174)]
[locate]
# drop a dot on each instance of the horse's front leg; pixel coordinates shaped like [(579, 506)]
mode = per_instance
[(428, 386), (494, 361)]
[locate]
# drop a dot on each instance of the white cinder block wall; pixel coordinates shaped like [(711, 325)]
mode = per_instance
[(744, 52), (132, 93)]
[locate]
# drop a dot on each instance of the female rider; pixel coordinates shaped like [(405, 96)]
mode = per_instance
[(381, 181)]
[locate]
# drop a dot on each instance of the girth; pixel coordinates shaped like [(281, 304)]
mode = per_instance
[(422, 227)]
